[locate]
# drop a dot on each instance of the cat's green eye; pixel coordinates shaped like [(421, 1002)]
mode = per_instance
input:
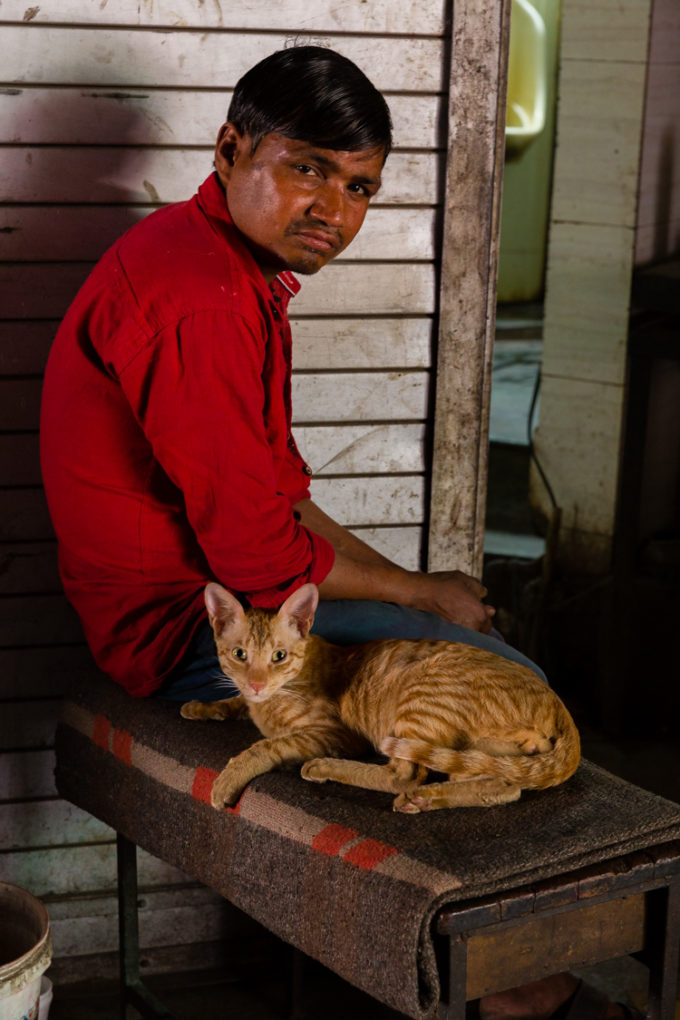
[(240, 654), (279, 655)]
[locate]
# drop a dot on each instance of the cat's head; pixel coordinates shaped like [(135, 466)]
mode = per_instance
[(261, 651)]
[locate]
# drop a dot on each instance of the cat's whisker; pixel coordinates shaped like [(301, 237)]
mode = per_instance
[(224, 682), (293, 694)]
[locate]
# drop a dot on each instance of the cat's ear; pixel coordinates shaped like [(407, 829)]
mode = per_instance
[(299, 608), (223, 609)]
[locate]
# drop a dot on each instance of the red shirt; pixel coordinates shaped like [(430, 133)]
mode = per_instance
[(166, 448)]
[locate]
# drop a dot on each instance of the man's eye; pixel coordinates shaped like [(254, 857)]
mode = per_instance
[(240, 654), (360, 189), (279, 655), (304, 168)]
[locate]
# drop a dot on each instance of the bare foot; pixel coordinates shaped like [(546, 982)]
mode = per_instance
[(537, 1000)]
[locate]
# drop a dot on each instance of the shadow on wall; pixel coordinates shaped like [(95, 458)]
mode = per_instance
[(80, 170), (85, 165)]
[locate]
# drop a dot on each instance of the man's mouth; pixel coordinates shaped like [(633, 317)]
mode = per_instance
[(319, 240)]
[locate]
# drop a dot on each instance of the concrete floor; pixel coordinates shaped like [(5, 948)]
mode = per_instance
[(202, 995), (206, 994)]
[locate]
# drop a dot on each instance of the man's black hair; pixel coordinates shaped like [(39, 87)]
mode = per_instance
[(315, 95)]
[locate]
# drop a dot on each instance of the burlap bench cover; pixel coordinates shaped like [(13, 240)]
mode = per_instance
[(330, 869)]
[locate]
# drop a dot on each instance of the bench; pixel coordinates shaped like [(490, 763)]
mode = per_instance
[(422, 912)]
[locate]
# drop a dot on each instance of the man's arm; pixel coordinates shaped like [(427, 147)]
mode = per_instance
[(198, 392), (359, 572), (343, 541)]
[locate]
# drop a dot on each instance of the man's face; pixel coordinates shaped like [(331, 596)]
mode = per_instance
[(297, 205)]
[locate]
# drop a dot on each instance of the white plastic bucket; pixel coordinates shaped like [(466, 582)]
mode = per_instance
[(25, 952), (45, 998)]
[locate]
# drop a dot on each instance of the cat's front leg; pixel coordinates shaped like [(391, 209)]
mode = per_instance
[(266, 754), (231, 781), (229, 708)]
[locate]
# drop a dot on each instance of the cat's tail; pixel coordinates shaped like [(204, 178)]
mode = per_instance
[(535, 771)]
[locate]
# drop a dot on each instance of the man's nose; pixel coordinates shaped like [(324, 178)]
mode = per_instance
[(329, 205)]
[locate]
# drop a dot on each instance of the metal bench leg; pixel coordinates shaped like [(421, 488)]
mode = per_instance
[(663, 925), (133, 992)]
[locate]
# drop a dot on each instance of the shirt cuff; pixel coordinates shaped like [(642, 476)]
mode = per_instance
[(322, 559)]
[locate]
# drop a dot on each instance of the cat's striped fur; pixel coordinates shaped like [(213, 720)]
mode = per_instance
[(490, 724)]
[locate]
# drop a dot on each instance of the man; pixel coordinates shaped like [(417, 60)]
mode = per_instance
[(167, 454)]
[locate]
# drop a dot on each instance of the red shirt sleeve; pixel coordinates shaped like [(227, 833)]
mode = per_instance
[(210, 397)]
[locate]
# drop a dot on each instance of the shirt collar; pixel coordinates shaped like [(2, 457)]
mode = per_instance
[(212, 198), (290, 282)]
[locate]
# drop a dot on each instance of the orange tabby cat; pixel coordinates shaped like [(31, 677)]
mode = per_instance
[(492, 725)]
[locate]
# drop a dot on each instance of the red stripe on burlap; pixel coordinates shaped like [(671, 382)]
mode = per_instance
[(101, 728), (121, 745), (368, 853), (332, 838), (236, 809), (202, 785)]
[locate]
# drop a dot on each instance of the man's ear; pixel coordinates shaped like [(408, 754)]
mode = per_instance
[(231, 143)]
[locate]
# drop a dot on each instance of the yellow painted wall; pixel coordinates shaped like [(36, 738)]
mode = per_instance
[(528, 171)]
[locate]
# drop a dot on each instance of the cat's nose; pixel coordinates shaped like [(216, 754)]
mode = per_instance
[(257, 685)]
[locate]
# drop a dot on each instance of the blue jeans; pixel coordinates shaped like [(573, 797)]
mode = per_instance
[(198, 676)]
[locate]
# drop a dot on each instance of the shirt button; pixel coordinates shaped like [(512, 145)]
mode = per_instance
[(307, 470)]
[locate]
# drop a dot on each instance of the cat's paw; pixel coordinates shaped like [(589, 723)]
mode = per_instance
[(501, 792), (226, 790), (219, 710), (192, 710), (314, 771), (532, 746), (410, 804)]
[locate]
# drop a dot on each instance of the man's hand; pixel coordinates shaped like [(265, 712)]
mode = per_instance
[(455, 596), (359, 572)]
